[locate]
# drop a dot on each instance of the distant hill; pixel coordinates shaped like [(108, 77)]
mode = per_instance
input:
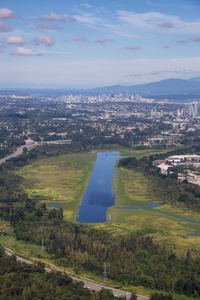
[(167, 86), (196, 79)]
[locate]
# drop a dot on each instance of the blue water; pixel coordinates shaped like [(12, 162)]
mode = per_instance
[(127, 207), (160, 213), (145, 204), (149, 204), (99, 195), (55, 206)]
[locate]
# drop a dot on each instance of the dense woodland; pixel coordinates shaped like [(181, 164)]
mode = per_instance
[(132, 259), (27, 282), (24, 282)]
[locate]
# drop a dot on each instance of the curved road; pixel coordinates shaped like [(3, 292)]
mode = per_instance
[(18, 151), (87, 284), (29, 146)]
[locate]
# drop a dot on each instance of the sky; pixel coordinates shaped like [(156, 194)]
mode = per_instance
[(76, 44)]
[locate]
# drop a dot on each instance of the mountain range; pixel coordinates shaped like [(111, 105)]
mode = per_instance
[(166, 86)]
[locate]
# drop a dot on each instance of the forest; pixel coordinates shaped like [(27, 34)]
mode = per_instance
[(22, 281), (132, 259)]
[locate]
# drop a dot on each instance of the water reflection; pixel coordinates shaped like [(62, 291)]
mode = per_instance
[(101, 199), (99, 195)]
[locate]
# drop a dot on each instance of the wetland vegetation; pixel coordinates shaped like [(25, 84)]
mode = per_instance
[(60, 180), (140, 247)]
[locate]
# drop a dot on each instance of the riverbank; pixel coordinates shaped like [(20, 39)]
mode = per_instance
[(60, 180), (133, 188)]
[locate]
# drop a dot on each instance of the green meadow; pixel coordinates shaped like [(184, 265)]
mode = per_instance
[(63, 180), (146, 152), (134, 188), (60, 180)]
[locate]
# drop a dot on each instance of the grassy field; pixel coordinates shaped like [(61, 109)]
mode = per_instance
[(7, 239), (63, 180), (134, 188), (60, 180), (145, 152)]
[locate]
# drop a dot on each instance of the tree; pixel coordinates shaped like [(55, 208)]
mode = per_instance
[(25, 150), (161, 296), (133, 297)]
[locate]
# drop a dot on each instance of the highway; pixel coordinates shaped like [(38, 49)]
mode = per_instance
[(87, 284), (18, 151), (29, 146)]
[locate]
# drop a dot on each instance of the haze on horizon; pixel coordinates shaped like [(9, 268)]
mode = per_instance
[(86, 44)]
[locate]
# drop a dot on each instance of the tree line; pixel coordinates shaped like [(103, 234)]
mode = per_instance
[(131, 259), (166, 188), (21, 281)]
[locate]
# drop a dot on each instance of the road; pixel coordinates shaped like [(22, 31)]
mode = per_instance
[(29, 146), (87, 284), (18, 151)]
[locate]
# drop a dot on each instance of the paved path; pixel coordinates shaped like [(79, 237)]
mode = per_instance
[(87, 284)]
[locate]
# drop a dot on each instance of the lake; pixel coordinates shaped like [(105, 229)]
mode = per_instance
[(99, 194)]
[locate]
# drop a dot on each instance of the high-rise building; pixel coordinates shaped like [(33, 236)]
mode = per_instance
[(192, 109), (153, 112), (195, 108)]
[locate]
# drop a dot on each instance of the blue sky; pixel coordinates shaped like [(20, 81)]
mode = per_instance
[(85, 44)]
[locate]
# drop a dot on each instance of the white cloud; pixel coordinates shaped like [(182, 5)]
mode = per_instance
[(132, 24), (55, 17), (169, 71), (166, 25), (59, 52), (101, 41), (14, 40), (80, 38), (133, 47), (86, 5), (4, 27), (6, 13), (27, 52), (45, 26), (195, 38), (190, 5), (45, 40), (88, 18), (182, 41)]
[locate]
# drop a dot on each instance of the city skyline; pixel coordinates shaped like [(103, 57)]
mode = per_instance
[(97, 43)]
